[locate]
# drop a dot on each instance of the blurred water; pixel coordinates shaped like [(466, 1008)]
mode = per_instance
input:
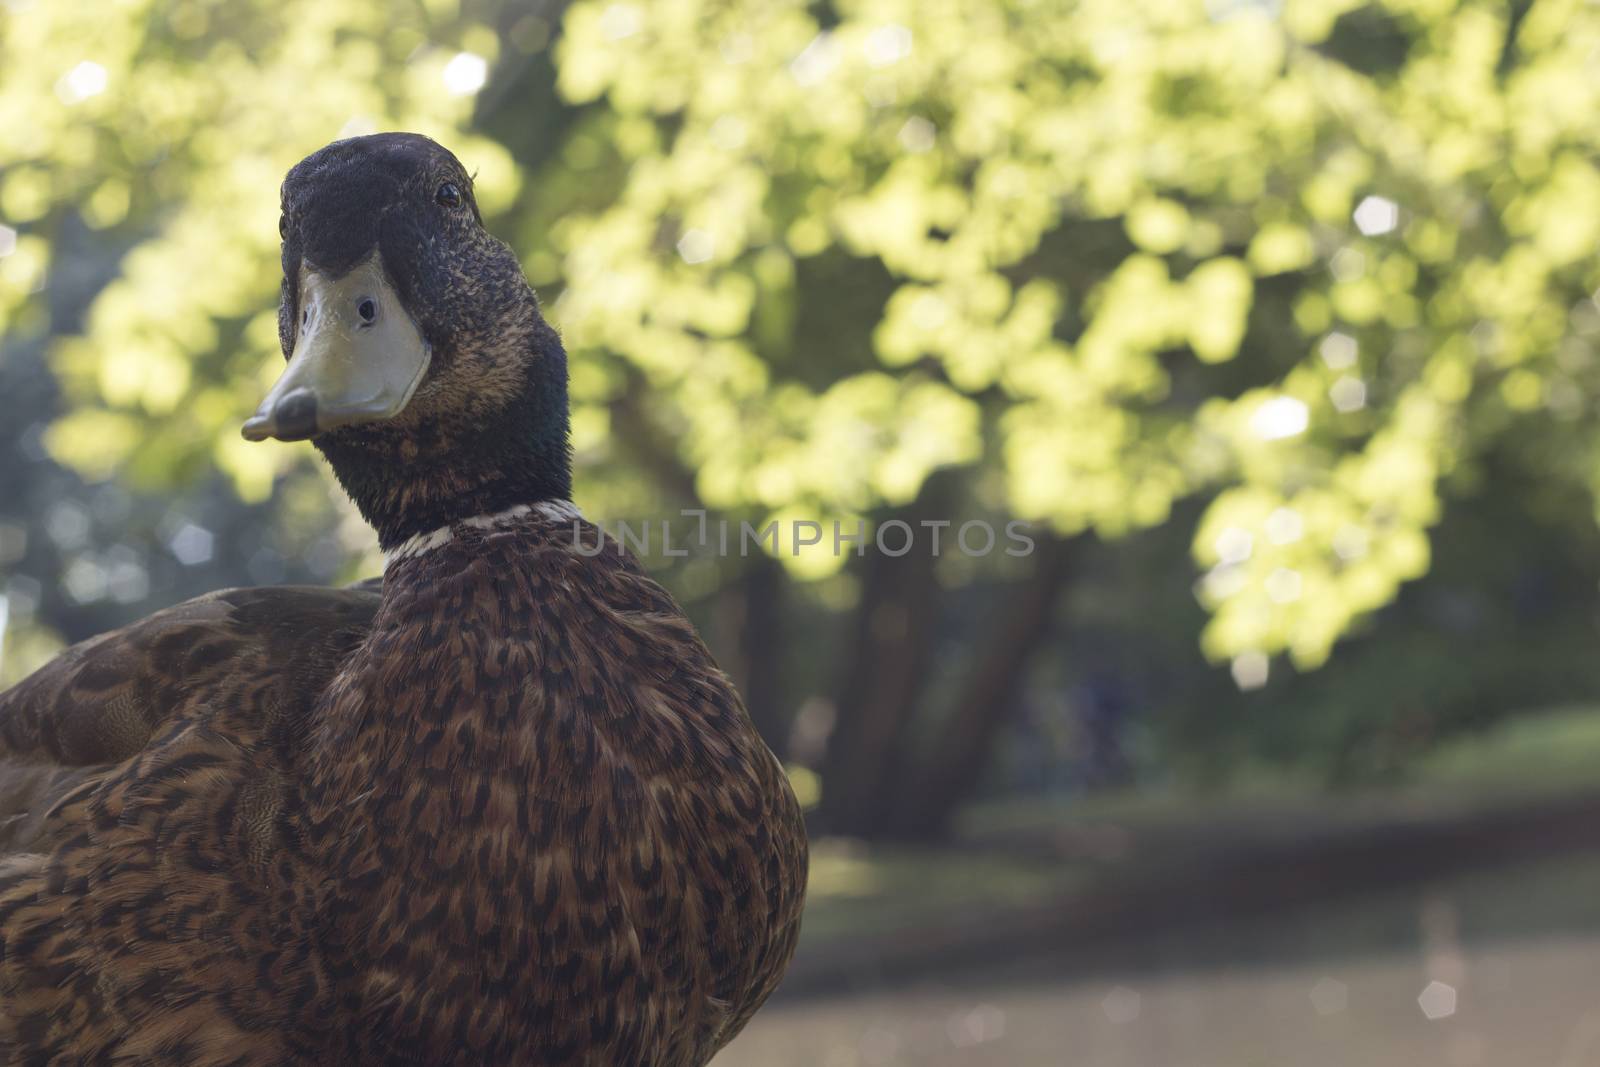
[(1531, 1002), (1507, 964)]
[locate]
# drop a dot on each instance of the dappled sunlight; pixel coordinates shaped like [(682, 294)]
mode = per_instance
[(1232, 152)]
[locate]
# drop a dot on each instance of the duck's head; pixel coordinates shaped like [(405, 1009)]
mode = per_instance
[(418, 361)]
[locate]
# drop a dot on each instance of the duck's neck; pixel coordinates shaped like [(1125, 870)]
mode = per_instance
[(564, 512), (409, 484), (403, 504)]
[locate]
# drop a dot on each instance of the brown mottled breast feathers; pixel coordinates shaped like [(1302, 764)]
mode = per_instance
[(509, 811)]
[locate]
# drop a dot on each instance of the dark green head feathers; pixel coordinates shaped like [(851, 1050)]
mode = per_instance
[(419, 363)]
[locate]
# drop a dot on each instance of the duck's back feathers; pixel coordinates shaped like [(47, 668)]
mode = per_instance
[(254, 656), (145, 774)]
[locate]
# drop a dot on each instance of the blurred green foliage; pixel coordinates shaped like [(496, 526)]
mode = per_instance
[(1310, 260)]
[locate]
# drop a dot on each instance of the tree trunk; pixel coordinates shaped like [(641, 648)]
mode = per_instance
[(755, 620), (986, 701), (887, 661)]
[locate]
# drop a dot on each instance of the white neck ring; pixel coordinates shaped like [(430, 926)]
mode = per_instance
[(423, 543)]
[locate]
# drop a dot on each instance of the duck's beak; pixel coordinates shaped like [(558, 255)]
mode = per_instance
[(358, 358)]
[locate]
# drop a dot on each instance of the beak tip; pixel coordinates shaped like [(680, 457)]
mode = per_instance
[(290, 417)]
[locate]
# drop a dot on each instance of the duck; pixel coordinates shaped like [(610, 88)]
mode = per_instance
[(498, 807)]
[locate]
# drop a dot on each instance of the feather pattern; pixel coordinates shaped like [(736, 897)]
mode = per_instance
[(507, 812)]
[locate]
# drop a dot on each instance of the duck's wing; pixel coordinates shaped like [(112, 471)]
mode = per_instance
[(254, 659)]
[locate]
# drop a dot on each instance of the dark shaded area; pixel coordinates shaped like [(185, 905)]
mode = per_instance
[(1208, 880)]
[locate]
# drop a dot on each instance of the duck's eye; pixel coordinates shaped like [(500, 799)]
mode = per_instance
[(283, 225), (449, 195)]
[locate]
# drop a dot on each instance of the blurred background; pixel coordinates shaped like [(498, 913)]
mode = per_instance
[(1275, 318)]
